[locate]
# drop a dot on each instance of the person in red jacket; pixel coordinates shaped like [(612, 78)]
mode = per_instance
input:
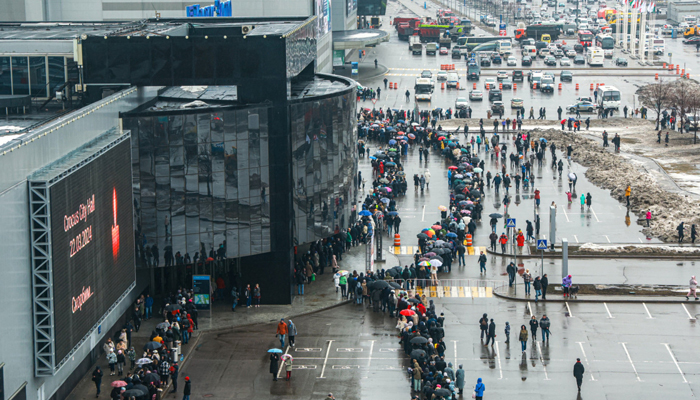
[(282, 331), (520, 239), (503, 240), (537, 197)]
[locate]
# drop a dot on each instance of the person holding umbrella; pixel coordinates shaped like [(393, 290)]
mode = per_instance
[(274, 362), (288, 361)]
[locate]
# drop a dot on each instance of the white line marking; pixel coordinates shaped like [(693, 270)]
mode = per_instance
[(648, 313), (569, 309), (371, 348), (529, 308), (675, 362), (608, 310), (687, 312), (325, 361), (576, 237), (565, 214), (640, 240), (455, 343), (544, 367), (498, 356), (423, 217), (606, 236), (596, 217), (585, 358), (631, 363), (282, 363)]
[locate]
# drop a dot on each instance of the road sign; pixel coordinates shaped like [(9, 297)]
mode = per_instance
[(374, 101), (511, 223), (541, 244)]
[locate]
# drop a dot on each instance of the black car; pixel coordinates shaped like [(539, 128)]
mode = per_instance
[(526, 61), (621, 61), (550, 60), (578, 47), (495, 94), (692, 40), (496, 58), (517, 76), (579, 59), (485, 62), (566, 76)]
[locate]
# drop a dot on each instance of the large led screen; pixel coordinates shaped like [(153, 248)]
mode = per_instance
[(92, 239)]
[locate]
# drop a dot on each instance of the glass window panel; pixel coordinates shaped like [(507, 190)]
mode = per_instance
[(20, 75), (203, 128), (232, 243), (37, 70), (219, 185), (219, 216), (216, 127), (264, 152), (72, 67), (218, 154), (242, 125), (244, 184), (179, 244), (5, 79), (232, 214), (175, 129), (220, 241), (192, 213), (262, 112), (229, 126), (254, 149), (57, 72), (177, 160), (192, 245), (160, 131), (244, 242), (242, 154), (204, 163), (191, 159)]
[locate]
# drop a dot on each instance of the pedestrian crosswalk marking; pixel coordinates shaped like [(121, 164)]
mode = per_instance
[(455, 291), (403, 250)]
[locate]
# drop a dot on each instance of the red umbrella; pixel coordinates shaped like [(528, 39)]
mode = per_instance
[(407, 313), (441, 138), (452, 167), (436, 227), (118, 384)]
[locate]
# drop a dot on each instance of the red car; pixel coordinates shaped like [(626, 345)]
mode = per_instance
[(444, 51)]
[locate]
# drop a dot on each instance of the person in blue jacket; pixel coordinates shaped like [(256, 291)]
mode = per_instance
[(479, 389)]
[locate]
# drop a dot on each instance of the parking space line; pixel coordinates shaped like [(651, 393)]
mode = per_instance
[(690, 317), (529, 308), (282, 364), (576, 237), (423, 217), (675, 361), (608, 310), (455, 343), (569, 309), (498, 356), (565, 214), (640, 240), (544, 366), (646, 308), (606, 236), (594, 214), (325, 361), (630, 359), (585, 358), (371, 349)]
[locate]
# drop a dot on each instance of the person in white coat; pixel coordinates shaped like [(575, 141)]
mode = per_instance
[(427, 178), (692, 286)]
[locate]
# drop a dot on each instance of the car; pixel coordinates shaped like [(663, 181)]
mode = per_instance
[(484, 62), (692, 40), (507, 83), (558, 53), (579, 59), (497, 107), (544, 53), (496, 58), (621, 61), (578, 47), (444, 51), (527, 42), (516, 102), (461, 102), (583, 105), (511, 62), (571, 53), (564, 62), (566, 76), (526, 61), (476, 94), (456, 53), (495, 94), (442, 75), (518, 76), (426, 74), (551, 61), (490, 83), (501, 75)]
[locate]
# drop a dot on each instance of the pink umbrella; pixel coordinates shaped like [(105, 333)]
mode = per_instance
[(388, 189), (119, 384)]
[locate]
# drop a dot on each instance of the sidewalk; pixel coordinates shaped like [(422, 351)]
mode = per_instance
[(319, 295), (517, 293)]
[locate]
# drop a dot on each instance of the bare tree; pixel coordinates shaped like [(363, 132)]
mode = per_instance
[(693, 112), (684, 93), (657, 97)]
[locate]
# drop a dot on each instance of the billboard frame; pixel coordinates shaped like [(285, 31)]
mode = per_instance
[(44, 332)]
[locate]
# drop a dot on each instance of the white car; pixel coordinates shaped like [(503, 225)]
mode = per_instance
[(490, 83), (564, 62), (501, 75), (476, 94), (442, 75), (461, 102), (511, 62), (571, 53)]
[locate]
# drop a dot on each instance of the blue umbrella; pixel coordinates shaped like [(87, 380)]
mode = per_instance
[(451, 235), (385, 200), (402, 137), (365, 213), (390, 164), (372, 158), (390, 128), (401, 121), (393, 213), (392, 142), (275, 351)]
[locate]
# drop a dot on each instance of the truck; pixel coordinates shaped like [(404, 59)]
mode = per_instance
[(405, 28), (691, 31), (473, 70), (417, 48), (537, 31), (442, 34), (431, 49), (413, 40)]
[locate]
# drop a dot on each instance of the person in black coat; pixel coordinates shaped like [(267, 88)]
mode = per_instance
[(97, 378), (188, 389), (492, 333), (274, 365), (579, 370), (545, 284)]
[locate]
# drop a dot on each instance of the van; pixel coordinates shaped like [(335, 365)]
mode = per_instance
[(452, 79), (530, 51)]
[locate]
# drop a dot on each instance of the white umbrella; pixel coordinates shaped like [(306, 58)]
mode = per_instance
[(436, 262), (572, 176), (143, 361)]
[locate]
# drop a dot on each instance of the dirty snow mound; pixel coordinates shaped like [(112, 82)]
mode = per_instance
[(637, 249)]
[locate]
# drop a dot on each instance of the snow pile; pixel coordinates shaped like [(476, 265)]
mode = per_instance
[(637, 249), (612, 172)]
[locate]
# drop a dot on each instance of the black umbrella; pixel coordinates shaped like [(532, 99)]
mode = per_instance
[(133, 393), (418, 354), (379, 285), (173, 307), (413, 300), (443, 393), (142, 388), (422, 236), (151, 377), (419, 340), (460, 197), (496, 215), (393, 273), (395, 285), (152, 346)]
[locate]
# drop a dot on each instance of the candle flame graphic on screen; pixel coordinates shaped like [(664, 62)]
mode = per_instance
[(115, 227)]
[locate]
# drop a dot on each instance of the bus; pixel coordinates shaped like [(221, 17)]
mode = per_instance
[(504, 47), (424, 89), (608, 97), (585, 38), (605, 42), (595, 57)]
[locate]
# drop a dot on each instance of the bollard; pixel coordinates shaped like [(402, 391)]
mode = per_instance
[(474, 85), (656, 76), (577, 86), (683, 71), (442, 86), (391, 85), (677, 71), (559, 85), (515, 86), (664, 65), (397, 240), (591, 86), (469, 240), (457, 85), (487, 86), (534, 85), (687, 75), (500, 86), (453, 66)]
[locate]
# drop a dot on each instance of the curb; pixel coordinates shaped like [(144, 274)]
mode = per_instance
[(557, 255), (577, 300)]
